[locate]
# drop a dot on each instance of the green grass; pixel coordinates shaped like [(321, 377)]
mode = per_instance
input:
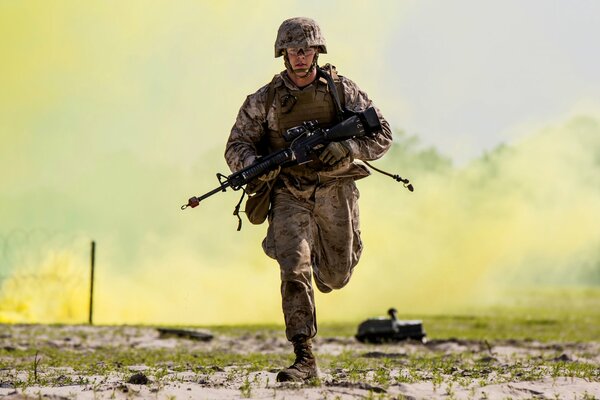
[(566, 314), (554, 318), (501, 326)]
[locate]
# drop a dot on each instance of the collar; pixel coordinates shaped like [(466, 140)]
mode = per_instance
[(287, 81)]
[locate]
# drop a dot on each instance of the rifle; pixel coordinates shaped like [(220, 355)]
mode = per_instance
[(304, 140)]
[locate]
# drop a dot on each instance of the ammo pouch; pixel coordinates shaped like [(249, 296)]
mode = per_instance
[(259, 201)]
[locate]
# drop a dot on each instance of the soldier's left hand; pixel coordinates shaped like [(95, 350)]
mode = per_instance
[(269, 176), (334, 152)]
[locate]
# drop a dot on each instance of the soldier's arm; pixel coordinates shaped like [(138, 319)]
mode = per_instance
[(365, 148), (247, 131)]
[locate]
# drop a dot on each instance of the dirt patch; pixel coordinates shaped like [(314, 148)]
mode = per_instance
[(83, 362)]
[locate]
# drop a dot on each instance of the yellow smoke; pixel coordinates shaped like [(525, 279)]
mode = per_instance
[(112, 114), (51, 292), (524, 213)]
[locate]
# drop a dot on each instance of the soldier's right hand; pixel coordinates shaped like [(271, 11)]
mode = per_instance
[(333, 153)]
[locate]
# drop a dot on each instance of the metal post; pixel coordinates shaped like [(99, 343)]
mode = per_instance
[(93, 261)]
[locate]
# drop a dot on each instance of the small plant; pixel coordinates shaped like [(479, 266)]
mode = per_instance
[(587, 396), (382, 376), (36, 363), (314, 382), (246, 388), (437, 380)]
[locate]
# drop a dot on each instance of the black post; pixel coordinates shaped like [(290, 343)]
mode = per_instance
[(93, 261)]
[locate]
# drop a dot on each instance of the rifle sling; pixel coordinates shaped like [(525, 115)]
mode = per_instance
[(334, 93)]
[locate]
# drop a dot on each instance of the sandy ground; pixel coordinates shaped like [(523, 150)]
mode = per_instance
[(230, 382)]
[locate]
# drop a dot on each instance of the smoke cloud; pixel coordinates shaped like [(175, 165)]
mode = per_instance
[(110, 120), (523, 214)]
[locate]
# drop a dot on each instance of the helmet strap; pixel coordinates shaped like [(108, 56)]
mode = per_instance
[(290, 70)]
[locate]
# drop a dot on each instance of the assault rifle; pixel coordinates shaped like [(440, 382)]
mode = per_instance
[(304, 141)]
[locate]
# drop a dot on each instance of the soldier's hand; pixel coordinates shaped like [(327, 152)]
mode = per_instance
[(333, 153), (269, 176)]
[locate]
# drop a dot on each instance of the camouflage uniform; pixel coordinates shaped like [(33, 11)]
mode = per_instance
[(314, 219)]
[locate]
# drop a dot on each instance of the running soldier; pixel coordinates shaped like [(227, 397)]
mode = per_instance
[(313, 215)]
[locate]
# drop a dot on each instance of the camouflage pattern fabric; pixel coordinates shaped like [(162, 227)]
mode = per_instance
[(314, 220), (319, 234)]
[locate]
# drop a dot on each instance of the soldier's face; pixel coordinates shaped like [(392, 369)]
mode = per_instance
[(301, 58)]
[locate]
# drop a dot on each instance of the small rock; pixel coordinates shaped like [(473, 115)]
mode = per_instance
[(563, 357), (138, 379)]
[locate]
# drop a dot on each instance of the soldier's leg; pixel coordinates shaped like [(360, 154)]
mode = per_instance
[(338, 246), (289, 242)]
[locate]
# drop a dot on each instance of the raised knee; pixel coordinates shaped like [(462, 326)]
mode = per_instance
[(337, 281)]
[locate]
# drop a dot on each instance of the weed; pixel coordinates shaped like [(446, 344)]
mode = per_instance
[(450, 390), (246, 388), (314, 382), (587, 396), (36, 362), (382, 376), (437, 380)]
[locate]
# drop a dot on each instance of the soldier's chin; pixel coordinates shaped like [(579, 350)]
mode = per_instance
[(301, 71)]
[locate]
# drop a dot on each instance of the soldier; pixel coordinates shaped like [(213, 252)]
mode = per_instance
[(313, 218)]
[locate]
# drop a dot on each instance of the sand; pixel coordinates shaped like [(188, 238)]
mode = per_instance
[(535, 363)]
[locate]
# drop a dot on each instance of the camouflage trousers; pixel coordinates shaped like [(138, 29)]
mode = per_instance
[(315, 231)]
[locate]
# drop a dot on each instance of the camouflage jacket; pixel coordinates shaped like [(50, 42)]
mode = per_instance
[(253, 120)]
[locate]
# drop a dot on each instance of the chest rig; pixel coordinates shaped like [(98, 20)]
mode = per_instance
[(293, 107)]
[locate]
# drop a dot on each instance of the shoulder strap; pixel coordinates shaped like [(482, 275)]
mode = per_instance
[(262, 146), (270, 94), (340, 110)]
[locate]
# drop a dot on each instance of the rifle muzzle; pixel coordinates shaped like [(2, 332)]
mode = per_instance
[(192, 202)]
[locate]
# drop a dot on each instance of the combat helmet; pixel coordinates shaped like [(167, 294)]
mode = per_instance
[(299, 32)]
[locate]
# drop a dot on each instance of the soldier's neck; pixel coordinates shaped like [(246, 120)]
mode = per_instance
[(301, 81)]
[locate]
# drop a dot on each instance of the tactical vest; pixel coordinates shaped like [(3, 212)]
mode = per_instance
[(293, 107)]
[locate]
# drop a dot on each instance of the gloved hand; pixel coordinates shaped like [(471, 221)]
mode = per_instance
[(334, 152), (269, 176)]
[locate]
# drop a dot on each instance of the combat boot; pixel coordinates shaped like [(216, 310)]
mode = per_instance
[(305, 366)]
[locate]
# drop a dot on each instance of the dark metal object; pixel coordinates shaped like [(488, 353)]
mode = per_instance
[(92, 262), (305, 140), (396, 177), (382, 330), (185, 333)]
